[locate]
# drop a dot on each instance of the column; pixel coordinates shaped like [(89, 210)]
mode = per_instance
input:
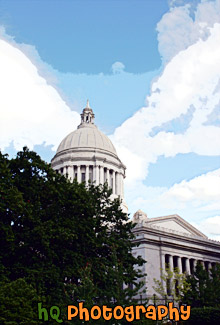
[(67, 171), (187, 266), (210, 268), (107, 177), (203, 264), (171, 263), (179, 264), (92, 172), (209, 265), (71, 172), (97, 175), (113, 187), (101, 175), (64, 170), (87, 174), (78, 174), (163, 266), (193, 265), (117, 185), (122, 185), (170, 282)]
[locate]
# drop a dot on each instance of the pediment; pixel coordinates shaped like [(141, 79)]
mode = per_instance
[(175, 223)]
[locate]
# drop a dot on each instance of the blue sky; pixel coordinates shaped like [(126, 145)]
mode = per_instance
[(88, 36), (151, 71)]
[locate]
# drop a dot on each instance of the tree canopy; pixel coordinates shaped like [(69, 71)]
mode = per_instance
[(59, 236), (204, 287)]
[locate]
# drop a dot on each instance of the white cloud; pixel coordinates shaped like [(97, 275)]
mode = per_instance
[(211, 225), (32, 112), (177, 29), (188, 80), (134, 164), (204, 189), (118, 67), (196, 200)]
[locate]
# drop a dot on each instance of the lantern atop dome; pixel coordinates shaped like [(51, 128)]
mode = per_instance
[(87, 116)]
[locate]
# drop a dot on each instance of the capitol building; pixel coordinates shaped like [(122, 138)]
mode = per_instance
[(88, 154)]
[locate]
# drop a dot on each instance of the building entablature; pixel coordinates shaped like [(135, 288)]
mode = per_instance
[(175, 239)]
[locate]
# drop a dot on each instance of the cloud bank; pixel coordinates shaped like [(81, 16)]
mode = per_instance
[(32, 111), (185, 24), (212, 226), (190, 80)]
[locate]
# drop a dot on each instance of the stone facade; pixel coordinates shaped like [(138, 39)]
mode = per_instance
[(173, 242)]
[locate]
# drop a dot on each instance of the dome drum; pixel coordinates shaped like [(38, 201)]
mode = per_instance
[(99, 174)]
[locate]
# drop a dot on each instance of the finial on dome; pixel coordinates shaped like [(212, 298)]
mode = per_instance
[(87, 104)]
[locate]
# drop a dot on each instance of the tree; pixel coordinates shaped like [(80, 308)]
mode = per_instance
[(52, 229), (172, 283), (204, 287), (11, 206), (18, 303)]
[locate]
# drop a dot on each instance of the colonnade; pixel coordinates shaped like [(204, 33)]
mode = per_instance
[(95, 173), (184, 264)]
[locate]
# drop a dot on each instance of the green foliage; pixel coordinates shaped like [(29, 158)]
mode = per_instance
[(18, 301), (201, 316), (204, 287), (51, 230), (85, 290), (175, 281)]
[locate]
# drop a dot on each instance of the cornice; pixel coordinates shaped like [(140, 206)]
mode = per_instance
[(144, 228)]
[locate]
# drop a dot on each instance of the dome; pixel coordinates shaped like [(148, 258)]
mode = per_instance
[(87, 136), (87, 154)]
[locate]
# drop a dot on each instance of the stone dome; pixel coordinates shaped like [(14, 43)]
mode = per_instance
[(87, 154), (87, 136)]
